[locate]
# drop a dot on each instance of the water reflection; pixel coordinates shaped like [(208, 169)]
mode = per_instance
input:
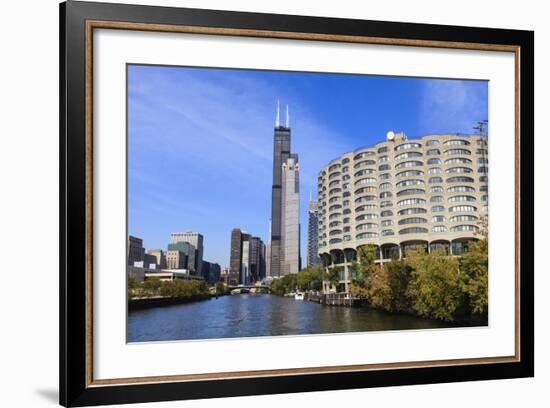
[(262, 315)]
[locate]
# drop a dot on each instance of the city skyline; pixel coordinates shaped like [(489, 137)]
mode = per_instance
[(179, 181)]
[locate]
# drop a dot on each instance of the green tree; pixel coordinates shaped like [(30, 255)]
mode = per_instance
[(220, 288), (398, 275), (310, 278), (151, 287), (332, 275), (369, 280), (435, 285), (475, 267)]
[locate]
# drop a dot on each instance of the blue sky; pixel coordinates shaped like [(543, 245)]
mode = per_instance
[(200, 140)]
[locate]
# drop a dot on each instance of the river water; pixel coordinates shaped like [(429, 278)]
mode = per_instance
[(263, 315)]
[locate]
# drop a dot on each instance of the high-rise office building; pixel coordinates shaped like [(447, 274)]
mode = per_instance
[(160, 257), (247, 258), (235, 259), (191, 256), (176, 259), (312, 221), (290, 216), (257, 259), (135, 250), (281, 156), (193, 238)]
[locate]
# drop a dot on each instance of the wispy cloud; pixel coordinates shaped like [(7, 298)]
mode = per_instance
[(452, 105)]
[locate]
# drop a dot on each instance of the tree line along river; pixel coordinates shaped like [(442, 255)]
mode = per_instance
[(250, 315)]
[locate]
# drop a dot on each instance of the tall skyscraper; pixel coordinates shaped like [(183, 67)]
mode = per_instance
[(281, 156), (247, 259), (195, 239), (312, 235), (290, 216), (235, 259)]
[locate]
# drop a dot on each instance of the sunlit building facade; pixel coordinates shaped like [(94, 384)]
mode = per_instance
[(401, 194)]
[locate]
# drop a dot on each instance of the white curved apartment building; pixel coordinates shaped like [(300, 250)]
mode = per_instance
[(402, 193)]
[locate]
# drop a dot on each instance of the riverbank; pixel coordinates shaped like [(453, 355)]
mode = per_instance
[(160, 301)]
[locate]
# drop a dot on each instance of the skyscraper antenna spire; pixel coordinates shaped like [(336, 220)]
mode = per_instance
[(277, 124), (287, 117)]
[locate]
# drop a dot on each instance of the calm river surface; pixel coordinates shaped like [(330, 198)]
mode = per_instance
[(262, 315)]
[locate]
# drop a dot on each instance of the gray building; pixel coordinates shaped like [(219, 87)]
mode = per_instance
[(312, 221), (235, 259), (211, 272), (247, 259), (176, 259), (191, 256), (257, 259), (290, 217), (281, 167), (160, 257), (194, 238), (135, 250)]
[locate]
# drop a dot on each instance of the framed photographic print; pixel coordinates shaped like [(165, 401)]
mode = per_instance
[(255, 203)]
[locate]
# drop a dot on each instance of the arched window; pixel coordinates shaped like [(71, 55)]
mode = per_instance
[(411, 201), (458, 160), (412, 163), (463, 218), (409, 211), (409, 173), (434, 170), (364, 199), (457, 152), (412, 220), (459, 198), (459, 228), (456, 142), (407, 155), (363, 155), (483, 169), (405, 146), (384, 186), (384, 167), (463, 208), (460, 189), (366, 225), (433, 152), (410, 191), (413, 230), (364, 163), (366, 235), (434, 180), (439, 228), (386, 213), (411, 182), (436, 189), (364, 217), (437, 208), (365, 180), (438, 218), (460, 179), (433, 161), (432, 142), (436, 199), (459, 170)]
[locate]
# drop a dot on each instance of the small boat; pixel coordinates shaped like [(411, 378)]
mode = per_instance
[(299, 296)]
